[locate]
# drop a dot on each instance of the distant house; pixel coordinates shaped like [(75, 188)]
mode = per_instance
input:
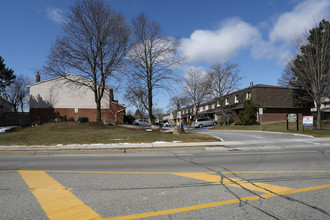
[(59, 98), (276, 102), (325, 109)]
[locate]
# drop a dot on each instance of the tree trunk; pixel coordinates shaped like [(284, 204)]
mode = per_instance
[(98, 109), (151, 117), (318, 117)]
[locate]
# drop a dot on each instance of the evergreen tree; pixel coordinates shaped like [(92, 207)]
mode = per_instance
[(248, 114), (7, 76), (311, 65)]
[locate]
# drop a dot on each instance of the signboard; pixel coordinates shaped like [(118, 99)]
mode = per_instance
[(261, 111), (308, 120), (292, 117)]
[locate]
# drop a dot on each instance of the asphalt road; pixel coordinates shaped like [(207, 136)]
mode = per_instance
[(228, 135), (286, 183)]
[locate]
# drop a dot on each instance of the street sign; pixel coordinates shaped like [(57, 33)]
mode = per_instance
[(179, 115), (292, 117), (308, 120), (261, 111)]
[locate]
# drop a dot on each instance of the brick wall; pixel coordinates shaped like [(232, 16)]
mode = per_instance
[(68, 114)]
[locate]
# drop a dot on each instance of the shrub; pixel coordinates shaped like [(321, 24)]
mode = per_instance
[(238, 122), (221, 123), (248, 114), (82, 119), (231, 120), (128, 119)]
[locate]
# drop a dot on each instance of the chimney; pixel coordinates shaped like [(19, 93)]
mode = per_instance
[(111, 94), (37, 77)]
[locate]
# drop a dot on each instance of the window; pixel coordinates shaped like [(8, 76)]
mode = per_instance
[(212, 106), (206, 107), (236, 98), (248, 95), (226, 101)]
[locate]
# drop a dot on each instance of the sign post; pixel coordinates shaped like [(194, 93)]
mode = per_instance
[(307, 121), (261, 112), (292, 118)]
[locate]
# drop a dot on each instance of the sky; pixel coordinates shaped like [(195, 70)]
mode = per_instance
[(259, 35)]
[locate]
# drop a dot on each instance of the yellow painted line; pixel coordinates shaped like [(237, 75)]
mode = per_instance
[(201, 176), (107, 172), (259, 187), (255, 186), (299, 171), (57, 201), (214, 204)]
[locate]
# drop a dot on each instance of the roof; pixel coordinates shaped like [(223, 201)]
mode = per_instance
[(60, 77), (261, 86)]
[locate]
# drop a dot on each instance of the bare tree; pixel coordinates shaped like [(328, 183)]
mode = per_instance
[(178, 101), (288, 78), (137, 97), (311, 65), (223, 79), (151, 59), (195, 87), (94, 42), (17, 92)]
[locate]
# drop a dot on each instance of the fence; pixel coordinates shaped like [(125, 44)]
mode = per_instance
[(15, 119)]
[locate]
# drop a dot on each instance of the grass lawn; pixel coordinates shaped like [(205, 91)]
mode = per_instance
[(89, 133), (281, 127)]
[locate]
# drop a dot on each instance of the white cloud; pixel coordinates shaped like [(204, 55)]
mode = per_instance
[(235, 35), (289, 26), (219, 45), (56, 15)]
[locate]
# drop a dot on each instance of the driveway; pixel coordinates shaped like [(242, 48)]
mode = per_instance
[(228, 135), (244, 139)]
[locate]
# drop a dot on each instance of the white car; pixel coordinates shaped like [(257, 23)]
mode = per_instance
[(203, 122), (141, 122), (168, 124)]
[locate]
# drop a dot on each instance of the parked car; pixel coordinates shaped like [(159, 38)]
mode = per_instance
[(141, 122), (169, 124), (160, 125), (203, 122)]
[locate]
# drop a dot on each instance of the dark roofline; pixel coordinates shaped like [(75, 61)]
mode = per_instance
[(260, 86)]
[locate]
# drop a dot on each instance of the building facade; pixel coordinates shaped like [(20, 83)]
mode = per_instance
[(276, 102), (61, 99)]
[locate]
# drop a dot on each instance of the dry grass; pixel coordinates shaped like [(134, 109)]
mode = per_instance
[(90, 133)]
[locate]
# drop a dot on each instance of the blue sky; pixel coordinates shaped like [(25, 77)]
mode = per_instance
[(259, 35)]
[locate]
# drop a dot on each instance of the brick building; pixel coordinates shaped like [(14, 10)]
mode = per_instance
[(59, 98), (276, 102)]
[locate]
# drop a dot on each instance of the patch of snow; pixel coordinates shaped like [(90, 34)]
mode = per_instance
[(7, 128)]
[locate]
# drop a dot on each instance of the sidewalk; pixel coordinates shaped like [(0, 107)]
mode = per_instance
[(123, 147), (110, 146)]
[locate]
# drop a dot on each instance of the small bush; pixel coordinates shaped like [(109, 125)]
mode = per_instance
[(82, 119), (248, 114), (231, 120), (128, 119), (237, 122)]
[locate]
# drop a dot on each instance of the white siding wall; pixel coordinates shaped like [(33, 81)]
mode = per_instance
[(58, 93)]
